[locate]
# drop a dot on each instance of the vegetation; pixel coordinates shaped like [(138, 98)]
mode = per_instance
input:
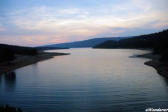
[(83, 43), (8, 52), (156, 41)]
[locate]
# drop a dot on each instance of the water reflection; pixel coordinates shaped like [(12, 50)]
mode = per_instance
[(9, 80), (35, 68), (165, 82), (88, 80), (0, 79)]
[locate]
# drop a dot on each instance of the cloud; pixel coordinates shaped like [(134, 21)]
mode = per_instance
[(75, 20), (31, 40), (47, 24)]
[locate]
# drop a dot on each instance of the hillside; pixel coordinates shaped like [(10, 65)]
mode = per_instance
[(13, 57), (8, 52), (156, 41), (50, 48), (84, 43)]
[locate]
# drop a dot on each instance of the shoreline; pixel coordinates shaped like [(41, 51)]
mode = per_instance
[(161, 67), (25, 60)]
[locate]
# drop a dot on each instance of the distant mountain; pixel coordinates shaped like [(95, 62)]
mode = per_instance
[(50, 48), (84, 43)]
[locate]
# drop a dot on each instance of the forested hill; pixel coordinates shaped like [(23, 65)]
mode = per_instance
[(8, 52), (82, 44), (156, 41)]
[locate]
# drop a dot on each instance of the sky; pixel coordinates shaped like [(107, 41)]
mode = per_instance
[(42, 22)]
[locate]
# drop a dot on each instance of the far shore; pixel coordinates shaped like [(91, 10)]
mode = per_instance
[(161, 67), (25, 60)]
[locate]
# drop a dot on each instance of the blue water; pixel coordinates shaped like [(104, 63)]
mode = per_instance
[(88, 80)]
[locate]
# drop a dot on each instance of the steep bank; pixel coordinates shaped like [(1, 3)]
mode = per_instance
[(24, 60)]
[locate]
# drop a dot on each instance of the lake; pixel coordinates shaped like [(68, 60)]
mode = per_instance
[(88, 80)]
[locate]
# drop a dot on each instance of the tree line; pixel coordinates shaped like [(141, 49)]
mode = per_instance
[(9, 52), (156, 41)]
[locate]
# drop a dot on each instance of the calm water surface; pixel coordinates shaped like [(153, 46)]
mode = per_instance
[(88, 80)]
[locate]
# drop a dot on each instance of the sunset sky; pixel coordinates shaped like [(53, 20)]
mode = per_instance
[(40, 22)]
